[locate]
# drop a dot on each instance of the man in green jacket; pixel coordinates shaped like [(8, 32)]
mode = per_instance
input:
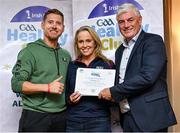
[(39, 75)]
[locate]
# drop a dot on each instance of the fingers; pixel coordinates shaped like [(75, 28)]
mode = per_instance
[(75, 97), (61, 89), (99, 95), (105, 94), (57, 87), (58, 79)]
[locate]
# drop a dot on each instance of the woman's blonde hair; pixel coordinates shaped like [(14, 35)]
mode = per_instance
[(98, 43)]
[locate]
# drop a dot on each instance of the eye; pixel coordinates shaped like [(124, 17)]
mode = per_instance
[(120, 22), (80, 41), (50, 21), (88, 40), (130, 20), (58, 23)]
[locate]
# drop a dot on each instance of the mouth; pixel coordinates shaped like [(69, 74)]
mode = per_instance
[(128, 30), (53, 31), (85, 50)]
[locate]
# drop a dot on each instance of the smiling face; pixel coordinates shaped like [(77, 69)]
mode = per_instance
[(53, 27), (86, 45), (129, 24)]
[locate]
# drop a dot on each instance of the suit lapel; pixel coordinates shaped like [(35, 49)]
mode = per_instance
[(119, 56), (137, 43)]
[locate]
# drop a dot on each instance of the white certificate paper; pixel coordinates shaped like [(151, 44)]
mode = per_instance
[(90, 82)]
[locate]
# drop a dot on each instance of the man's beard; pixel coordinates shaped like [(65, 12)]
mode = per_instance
[(53, 38)]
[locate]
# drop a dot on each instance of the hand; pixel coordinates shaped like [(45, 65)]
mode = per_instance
[(105, 94), (75, 97), (56, 87)]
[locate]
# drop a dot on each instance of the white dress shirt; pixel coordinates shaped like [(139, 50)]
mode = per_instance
[(124, 105)]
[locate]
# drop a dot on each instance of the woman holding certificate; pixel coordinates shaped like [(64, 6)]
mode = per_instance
[(87, 113)]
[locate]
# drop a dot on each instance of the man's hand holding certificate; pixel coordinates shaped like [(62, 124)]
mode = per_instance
[(89, 82)]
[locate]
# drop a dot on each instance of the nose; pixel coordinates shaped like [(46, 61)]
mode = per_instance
[(54, 25), (126, 24), (84, 43)]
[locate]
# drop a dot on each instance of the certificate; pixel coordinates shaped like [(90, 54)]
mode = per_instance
[(90, 82)]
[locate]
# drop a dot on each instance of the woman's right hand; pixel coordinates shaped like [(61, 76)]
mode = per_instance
[(75, 97)]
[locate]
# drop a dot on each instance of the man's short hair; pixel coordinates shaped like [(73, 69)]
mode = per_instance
[(53, 11)]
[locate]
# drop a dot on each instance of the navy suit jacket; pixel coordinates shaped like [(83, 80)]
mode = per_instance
[(145, 84)]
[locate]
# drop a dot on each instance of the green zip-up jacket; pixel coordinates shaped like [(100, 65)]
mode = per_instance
[(40, 64)]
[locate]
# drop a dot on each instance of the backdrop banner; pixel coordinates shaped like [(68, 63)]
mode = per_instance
[(20, 24)]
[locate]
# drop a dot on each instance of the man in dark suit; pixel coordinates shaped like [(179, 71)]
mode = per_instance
[(141, 87)]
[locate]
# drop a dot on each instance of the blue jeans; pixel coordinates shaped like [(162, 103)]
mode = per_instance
[(101, 124)]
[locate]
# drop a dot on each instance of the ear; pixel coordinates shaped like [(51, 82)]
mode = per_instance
[(140, 19), (42, 25), (63, 28)]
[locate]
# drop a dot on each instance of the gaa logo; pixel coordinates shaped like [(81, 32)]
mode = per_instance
[(27, 27), (104, 22)]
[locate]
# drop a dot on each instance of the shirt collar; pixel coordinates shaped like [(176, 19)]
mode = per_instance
[(132, 41)]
